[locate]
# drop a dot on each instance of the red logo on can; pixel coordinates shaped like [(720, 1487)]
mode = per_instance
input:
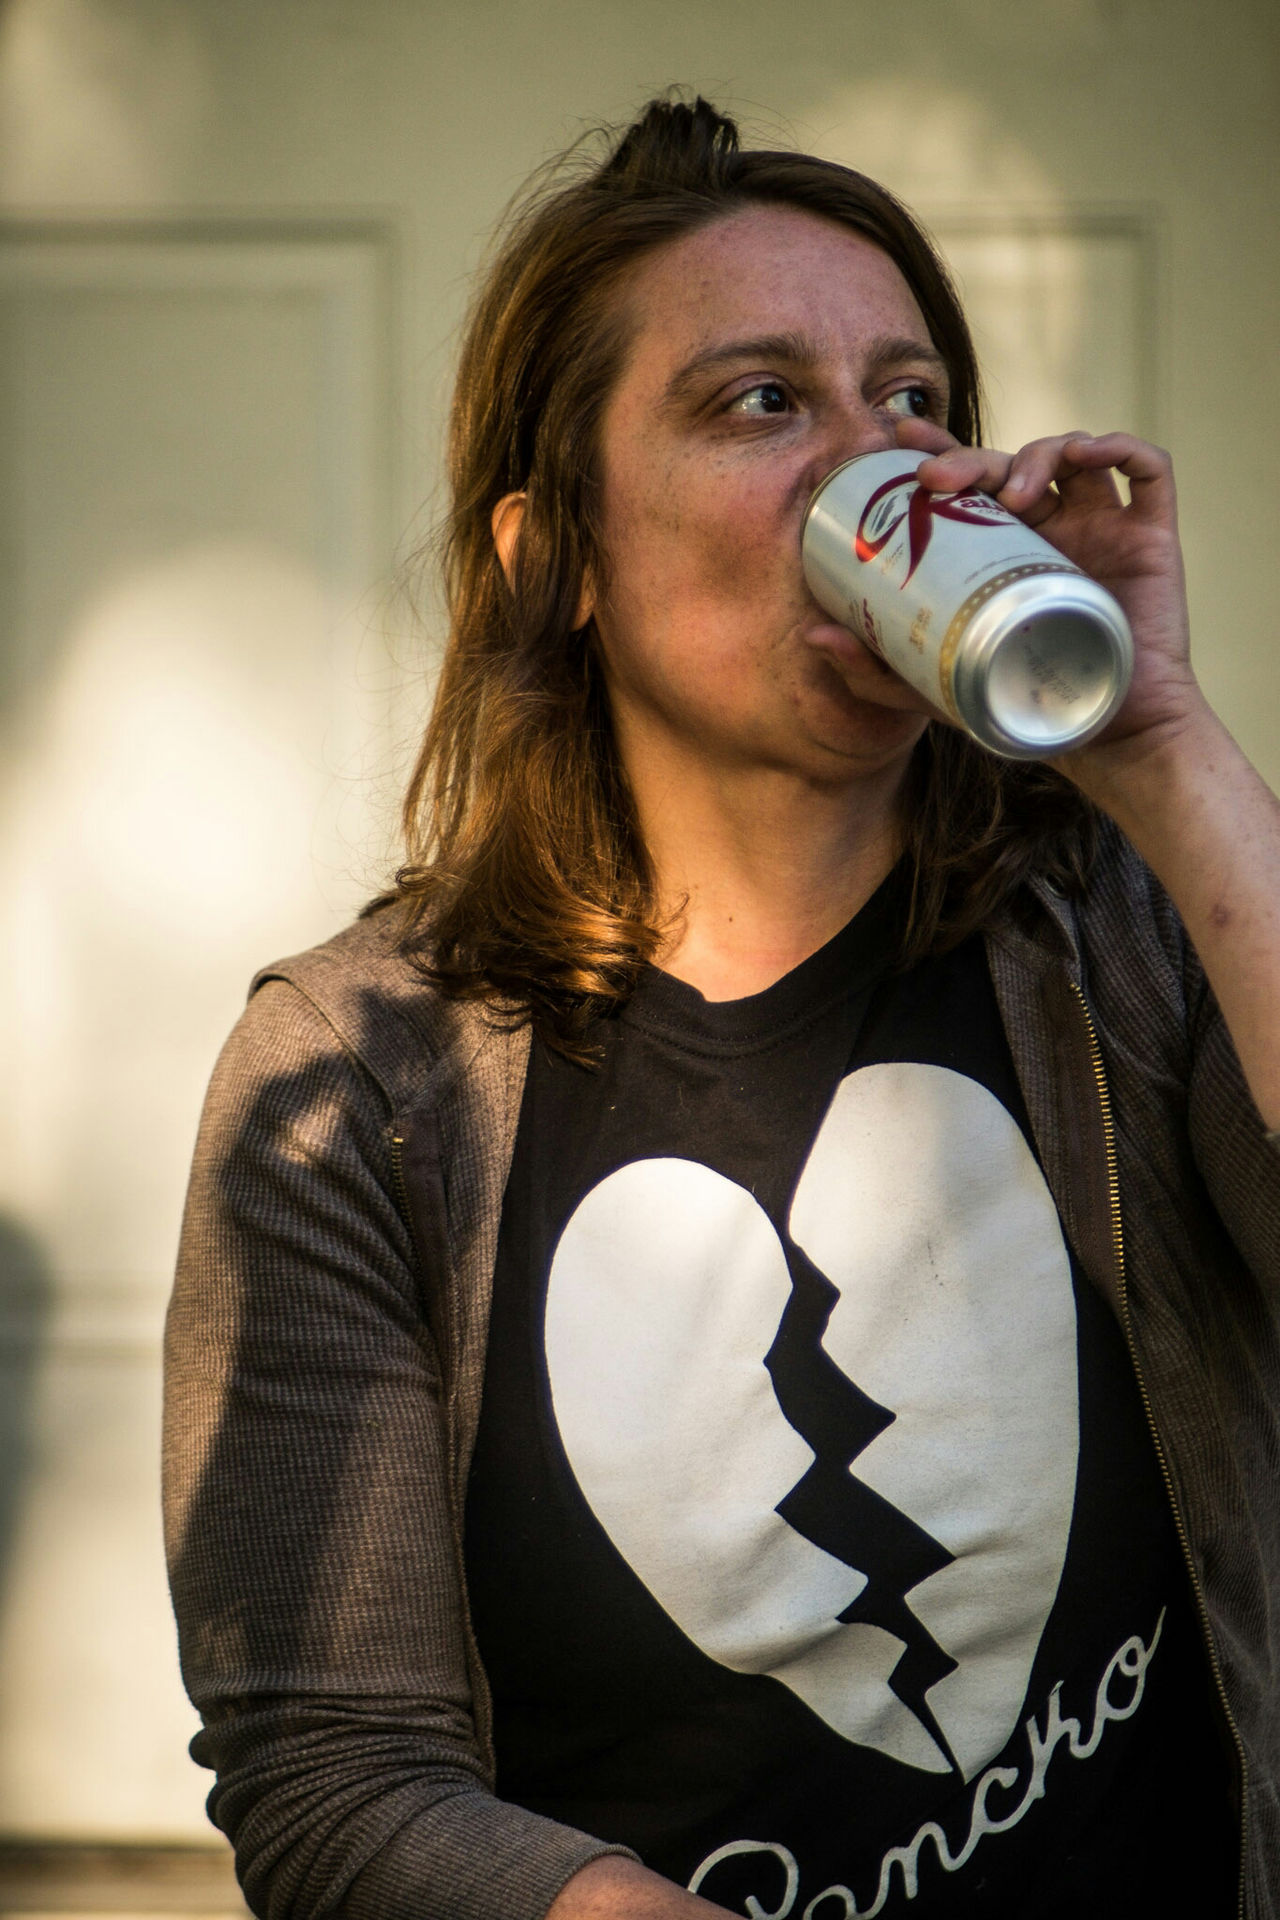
[(883, 515)]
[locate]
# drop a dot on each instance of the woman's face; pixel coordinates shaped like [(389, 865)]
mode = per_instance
[(766, 348)]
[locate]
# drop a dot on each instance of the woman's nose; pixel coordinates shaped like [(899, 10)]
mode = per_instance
[(857, 429)]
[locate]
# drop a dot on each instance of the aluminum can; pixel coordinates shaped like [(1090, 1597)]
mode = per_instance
[(968, 605)]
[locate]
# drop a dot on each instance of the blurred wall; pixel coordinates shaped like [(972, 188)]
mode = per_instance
[(235, 245)]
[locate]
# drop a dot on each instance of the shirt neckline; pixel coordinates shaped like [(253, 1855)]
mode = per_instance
[(853, 960)]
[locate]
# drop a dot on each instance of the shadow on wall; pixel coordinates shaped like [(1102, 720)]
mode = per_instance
[(26, 1304)]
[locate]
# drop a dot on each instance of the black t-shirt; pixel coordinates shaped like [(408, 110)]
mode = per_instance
[(815, 1539)]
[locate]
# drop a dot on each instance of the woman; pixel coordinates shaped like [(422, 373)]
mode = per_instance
[(725, 1350)]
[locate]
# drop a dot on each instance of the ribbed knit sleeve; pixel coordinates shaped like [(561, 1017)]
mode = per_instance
[(313, 1558), (1237, 1158)]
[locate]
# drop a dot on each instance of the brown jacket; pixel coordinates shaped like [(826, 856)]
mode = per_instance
[(326, 1349)]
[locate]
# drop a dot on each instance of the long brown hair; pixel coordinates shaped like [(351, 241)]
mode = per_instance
[(527, 882)]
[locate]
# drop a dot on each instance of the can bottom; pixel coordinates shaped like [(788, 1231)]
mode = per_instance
[(1049, 681)]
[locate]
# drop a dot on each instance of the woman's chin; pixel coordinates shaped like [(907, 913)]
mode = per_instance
[(846, 664), (864, 735)]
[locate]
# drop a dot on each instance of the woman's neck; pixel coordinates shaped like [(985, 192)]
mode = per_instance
[(758, 872)]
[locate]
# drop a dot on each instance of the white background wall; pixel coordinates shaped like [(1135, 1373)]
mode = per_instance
[(235, 242)]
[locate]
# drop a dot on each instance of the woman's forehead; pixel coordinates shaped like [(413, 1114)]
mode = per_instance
[(763, 271)]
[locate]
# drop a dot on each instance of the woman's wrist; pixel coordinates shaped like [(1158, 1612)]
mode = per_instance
[(1147, 781), (616, 1888)]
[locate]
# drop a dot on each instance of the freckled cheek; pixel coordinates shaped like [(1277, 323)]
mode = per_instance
[(670, 552), (725, 549), (705, 534)]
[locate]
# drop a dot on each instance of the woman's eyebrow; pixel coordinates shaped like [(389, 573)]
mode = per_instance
[(894, 350), (781, 349)]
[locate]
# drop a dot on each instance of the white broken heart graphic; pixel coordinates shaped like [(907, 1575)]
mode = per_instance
[(923, 1204)]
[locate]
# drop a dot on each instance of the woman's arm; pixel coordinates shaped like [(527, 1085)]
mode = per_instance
[(1165, 769), (313, 1558), (1209, 827)]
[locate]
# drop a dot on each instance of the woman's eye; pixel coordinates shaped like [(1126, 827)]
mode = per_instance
[(768, 396), (910, 403)]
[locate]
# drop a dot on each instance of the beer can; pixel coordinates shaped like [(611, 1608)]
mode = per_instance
[(968, 605)]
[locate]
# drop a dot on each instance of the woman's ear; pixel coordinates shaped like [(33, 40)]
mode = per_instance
[(586, 602), (506, 520)]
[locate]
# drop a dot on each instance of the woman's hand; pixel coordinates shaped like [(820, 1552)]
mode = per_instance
[(1165, 768), (1064, 487)]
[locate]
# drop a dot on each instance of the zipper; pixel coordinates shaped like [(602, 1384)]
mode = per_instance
[(397, 1168), (1126, 1322)]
